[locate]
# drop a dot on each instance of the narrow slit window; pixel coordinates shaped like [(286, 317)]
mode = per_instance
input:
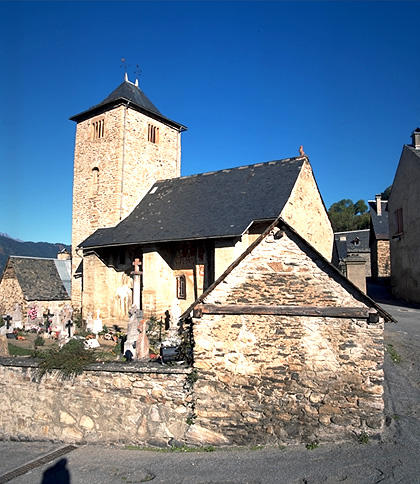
[(95, 180), (181, 289), (153, 134), (98, 128)]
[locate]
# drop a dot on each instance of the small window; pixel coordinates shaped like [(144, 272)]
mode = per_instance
[(98, 129), (181, 289), (356, 241), (153, 134), (95, 180), (399, 220)]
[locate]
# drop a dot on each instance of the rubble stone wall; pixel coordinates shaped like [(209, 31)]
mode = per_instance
[(10, 291), (137, 407), (384, 260), (276, 379), (272, 379)]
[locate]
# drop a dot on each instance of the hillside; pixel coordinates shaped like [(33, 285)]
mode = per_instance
[(9, 246)]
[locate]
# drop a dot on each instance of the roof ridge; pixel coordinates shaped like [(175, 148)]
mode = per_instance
[(32, 257), (241, 167), (349, 231)]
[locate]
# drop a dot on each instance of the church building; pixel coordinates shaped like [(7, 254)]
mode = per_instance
[(134, 213)]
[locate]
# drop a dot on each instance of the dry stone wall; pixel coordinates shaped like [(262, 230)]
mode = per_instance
[(384, 260), (138, 406)]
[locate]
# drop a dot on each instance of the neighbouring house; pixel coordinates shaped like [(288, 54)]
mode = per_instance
[(286, 348), (404, 223), (352, 255), (379, 238), (131, 209), (35, 282)]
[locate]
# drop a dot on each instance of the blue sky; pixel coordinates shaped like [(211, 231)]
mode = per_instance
[(251, 80)]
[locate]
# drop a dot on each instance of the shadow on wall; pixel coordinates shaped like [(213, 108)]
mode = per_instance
[(57, 474)]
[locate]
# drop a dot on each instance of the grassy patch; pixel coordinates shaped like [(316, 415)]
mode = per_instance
[(363, 438), (312, 445), (395, 357), (18, 350)]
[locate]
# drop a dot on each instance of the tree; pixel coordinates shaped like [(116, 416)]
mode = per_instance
[(346, 215)]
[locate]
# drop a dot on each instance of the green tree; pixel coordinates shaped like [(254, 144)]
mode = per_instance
[(346, 215)]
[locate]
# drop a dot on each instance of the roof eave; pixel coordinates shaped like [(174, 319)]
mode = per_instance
[(100, 108)]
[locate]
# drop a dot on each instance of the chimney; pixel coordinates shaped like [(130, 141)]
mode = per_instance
[(415, 136), (378, 204), (63, 255)]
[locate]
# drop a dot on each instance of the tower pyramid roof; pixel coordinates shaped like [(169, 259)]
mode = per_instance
[(131, 95)]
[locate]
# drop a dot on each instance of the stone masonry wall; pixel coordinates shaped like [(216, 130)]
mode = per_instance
[(141, 406), (270, 379), (384, 260), (127, 165), (273, 379), (305, 212), (10, 291)]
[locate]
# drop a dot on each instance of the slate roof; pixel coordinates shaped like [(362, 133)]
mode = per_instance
[(130, 94), (209, 205), (380, 223), (40, 278), (355, 241)]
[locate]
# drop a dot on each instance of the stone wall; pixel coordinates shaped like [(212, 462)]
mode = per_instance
[(10, 291), (404, 246), (137, 406), (383, 258), (271, 379), (305, 212)]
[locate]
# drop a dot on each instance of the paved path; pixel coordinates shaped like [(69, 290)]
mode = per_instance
[(395, 459)]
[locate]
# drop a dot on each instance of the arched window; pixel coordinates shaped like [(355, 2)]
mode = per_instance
[(95, 180)]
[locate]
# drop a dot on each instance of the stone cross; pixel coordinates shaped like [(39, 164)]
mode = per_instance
[(136, 263), (69, 325), (8, 318), (136, 282)]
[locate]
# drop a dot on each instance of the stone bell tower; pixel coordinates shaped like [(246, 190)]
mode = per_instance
[(123, 145)]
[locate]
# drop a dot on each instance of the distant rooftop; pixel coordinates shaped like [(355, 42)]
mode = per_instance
[(42, 279)]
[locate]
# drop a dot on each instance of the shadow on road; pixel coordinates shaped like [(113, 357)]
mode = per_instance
[(57, 474)]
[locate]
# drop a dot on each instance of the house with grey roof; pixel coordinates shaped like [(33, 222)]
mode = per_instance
[(35, 282), (404, 223)]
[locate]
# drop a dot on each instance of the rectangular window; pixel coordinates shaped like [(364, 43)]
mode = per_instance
[(153, 134), (399, 220), (181, 290), (98, 129)]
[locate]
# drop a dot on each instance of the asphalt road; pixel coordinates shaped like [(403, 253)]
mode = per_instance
[(394, 459)]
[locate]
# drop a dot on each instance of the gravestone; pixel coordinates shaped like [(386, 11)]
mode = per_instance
[(57, 326), (97, 326), (130, 343), (89, 322), (172, 338), (17, 317), (142, 345)]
